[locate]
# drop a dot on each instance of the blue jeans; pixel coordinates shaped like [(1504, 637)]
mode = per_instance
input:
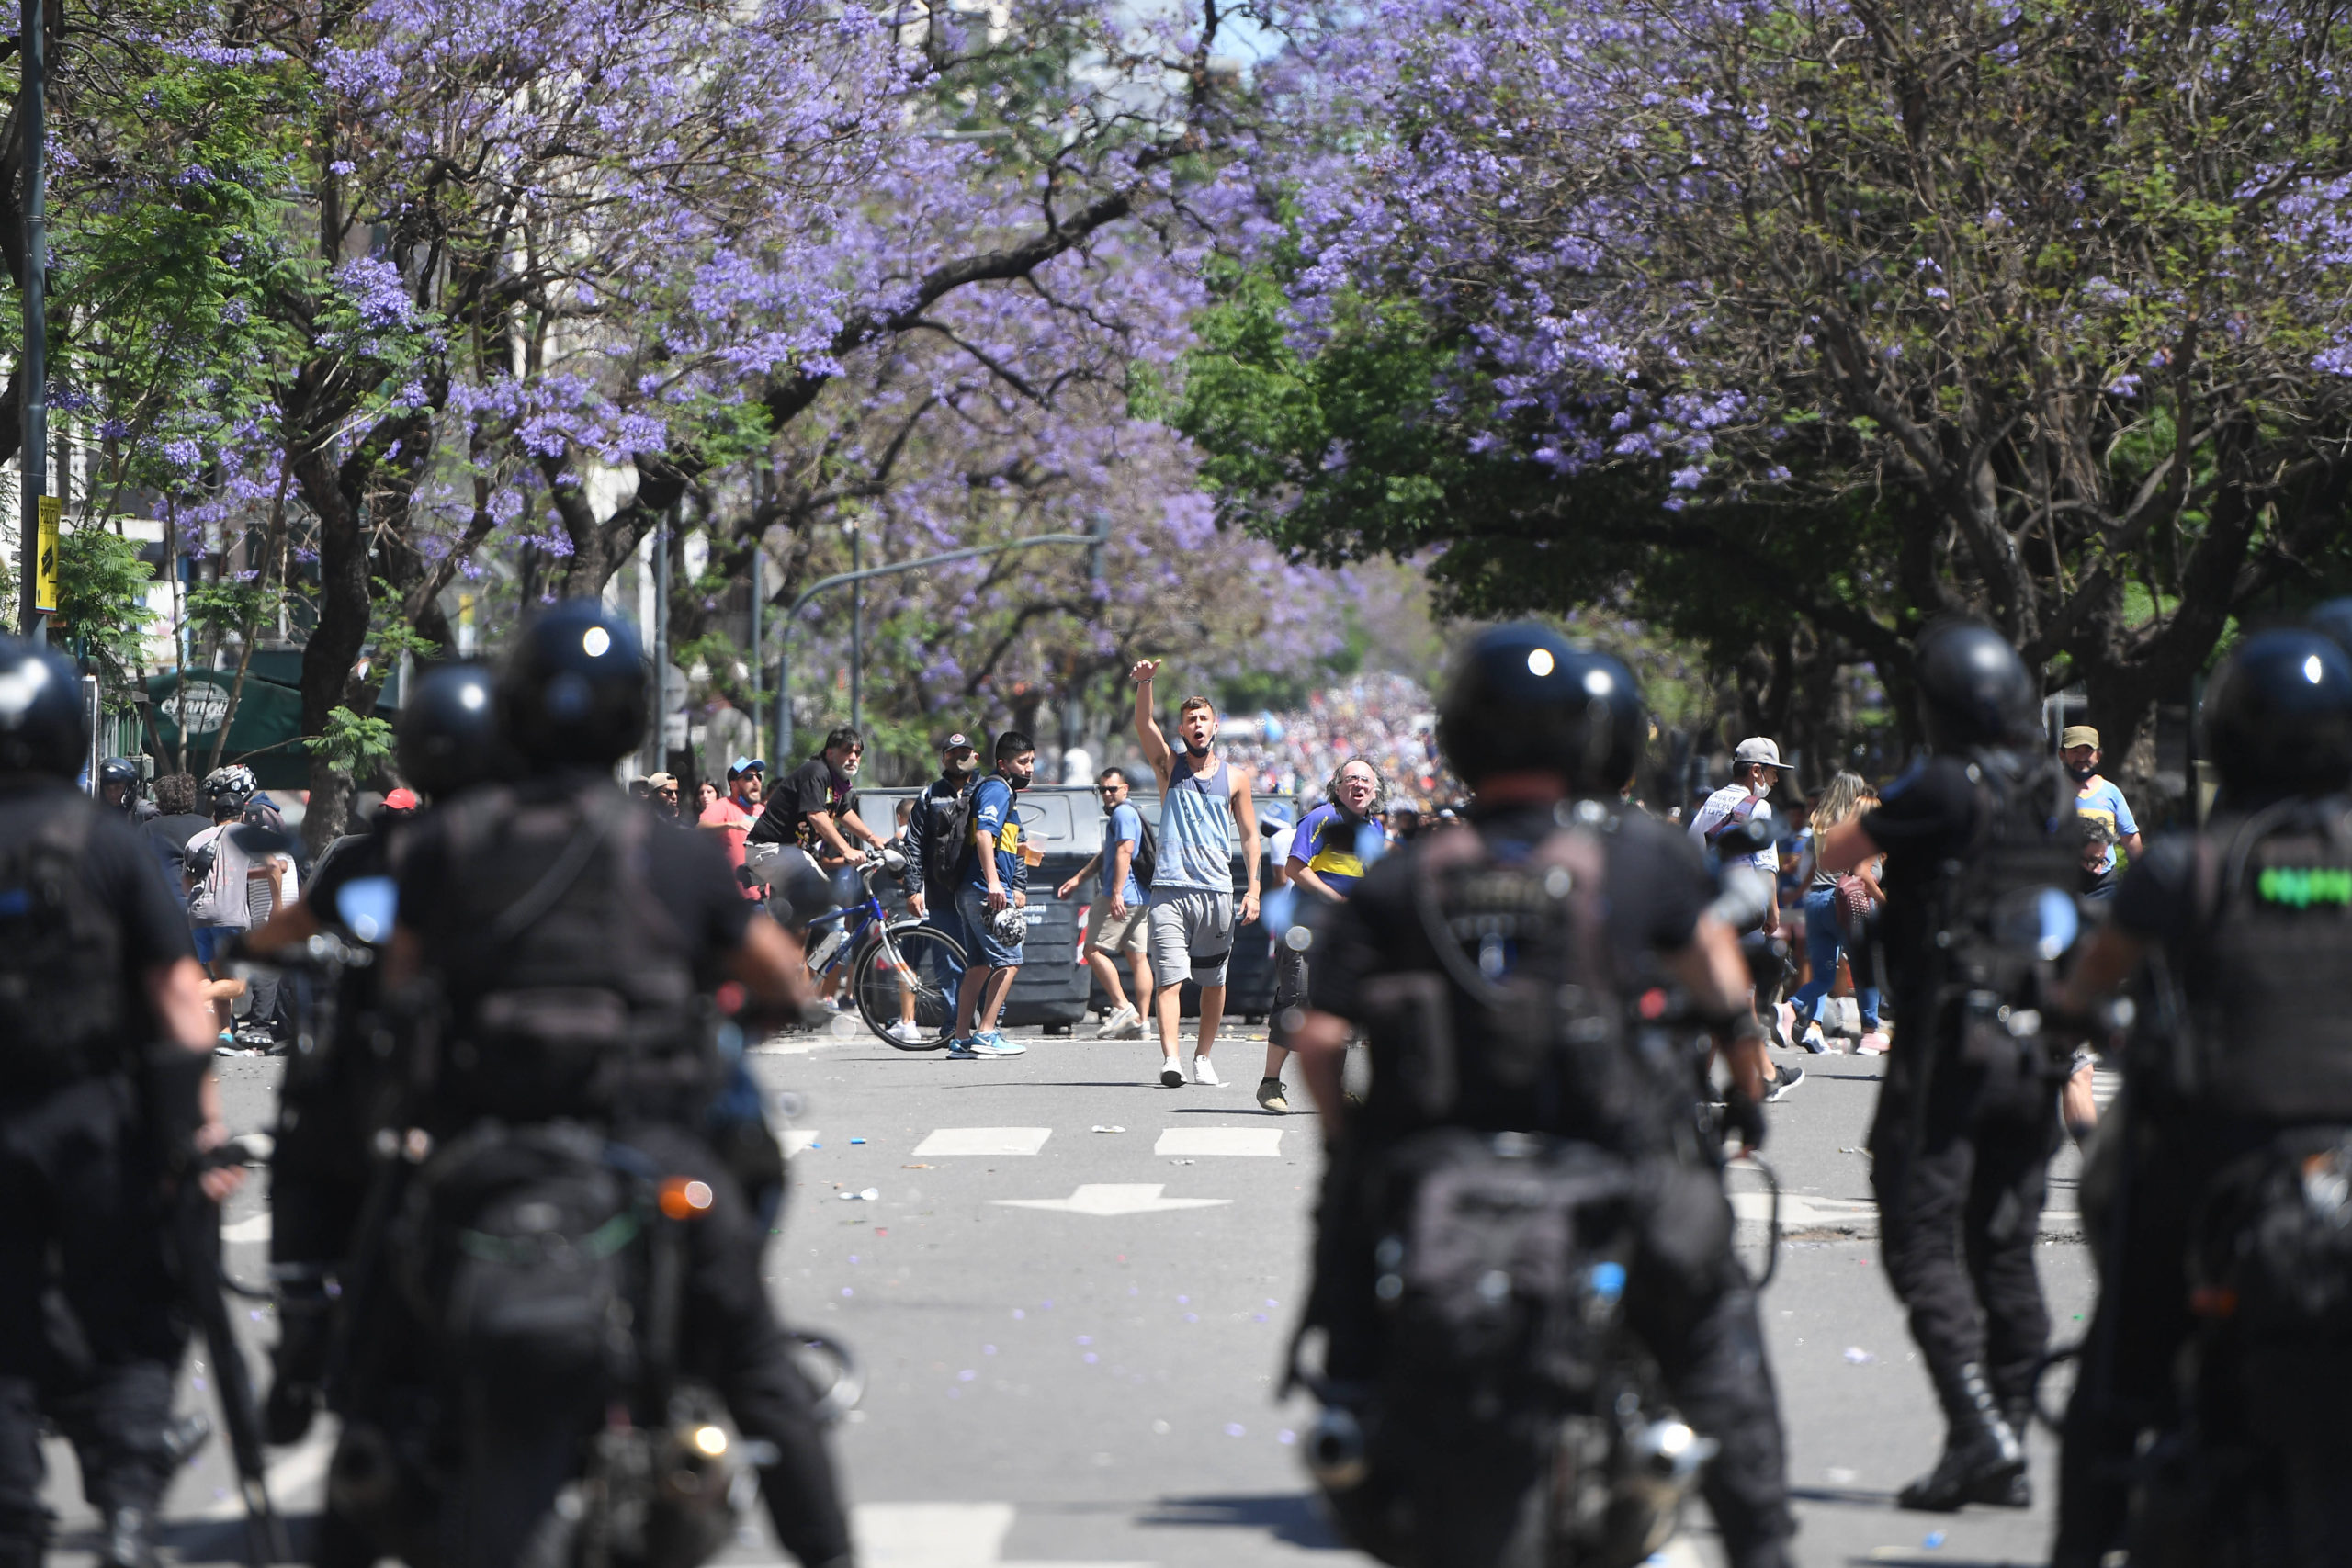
[(940, 915), (1823, 944)]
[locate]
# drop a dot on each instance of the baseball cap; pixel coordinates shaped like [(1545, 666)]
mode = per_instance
[(959, 741), (401, 800), (1757, 748), (741, 765), (2076, 735), (663, 781)]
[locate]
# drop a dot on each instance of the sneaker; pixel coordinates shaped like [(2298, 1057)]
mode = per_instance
[(1203, 1073), (1784, 1024), (1122, 1024), (962, 1050), (988, 1043), (1813, 1040), (1874, 1043), (1790, 1075), (906, 1032), (1270, 1097), (1171, 1075)]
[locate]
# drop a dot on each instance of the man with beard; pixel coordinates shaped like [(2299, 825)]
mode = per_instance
[(1205, 813), (815, 807), (2097, 799), (1328, 855)]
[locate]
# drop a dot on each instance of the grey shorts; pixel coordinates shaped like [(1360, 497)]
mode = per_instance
[(1192, 935), (1107, 933)]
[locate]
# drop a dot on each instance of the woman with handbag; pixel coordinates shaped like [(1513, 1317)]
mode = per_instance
[(1837, 911)]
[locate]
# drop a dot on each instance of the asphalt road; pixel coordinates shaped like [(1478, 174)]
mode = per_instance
[(1072, 1289)]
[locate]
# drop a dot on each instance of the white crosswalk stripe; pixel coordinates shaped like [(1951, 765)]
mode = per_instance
[(952, 1142), (1259, 1142)]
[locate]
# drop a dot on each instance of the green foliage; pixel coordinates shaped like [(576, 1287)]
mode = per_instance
[(351, 744), (102, 605)]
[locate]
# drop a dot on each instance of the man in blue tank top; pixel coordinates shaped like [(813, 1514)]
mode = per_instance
[(1205, 813)]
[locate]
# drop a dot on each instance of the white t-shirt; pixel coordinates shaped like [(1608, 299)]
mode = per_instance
[(1733, 800)]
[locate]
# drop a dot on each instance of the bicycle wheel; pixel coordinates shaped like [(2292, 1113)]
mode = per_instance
[(905, 982)]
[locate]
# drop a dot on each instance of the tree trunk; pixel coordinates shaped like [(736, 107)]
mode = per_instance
[(337, 638)]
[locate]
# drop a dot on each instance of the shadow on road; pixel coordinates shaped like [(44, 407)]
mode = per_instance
[(1290, 1517)]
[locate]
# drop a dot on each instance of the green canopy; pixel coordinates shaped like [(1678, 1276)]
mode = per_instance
[(266, 734)]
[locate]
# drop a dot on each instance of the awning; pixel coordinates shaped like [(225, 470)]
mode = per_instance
[(266, 734)]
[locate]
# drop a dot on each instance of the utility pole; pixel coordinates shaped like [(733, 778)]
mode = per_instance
[(759, 593), (662, 533), (32, 456), (856, 628)]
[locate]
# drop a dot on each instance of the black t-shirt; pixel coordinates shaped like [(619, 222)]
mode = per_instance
[(811, 786), (168, 836), (122, 870), (1659, 887), (687, 874)]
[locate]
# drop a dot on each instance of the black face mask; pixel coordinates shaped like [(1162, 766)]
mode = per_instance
[(1200, 751), (963, 769), (2084, 773), (1018, 782)]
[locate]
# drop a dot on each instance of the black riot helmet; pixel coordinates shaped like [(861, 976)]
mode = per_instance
[(573, 691), (1525, 699), (42, 727), (449, 735), (2278, 716), (1973, 689), (119, 771), (2332, 620)]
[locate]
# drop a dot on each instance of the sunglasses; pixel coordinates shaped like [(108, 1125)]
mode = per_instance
[(1110, 789)]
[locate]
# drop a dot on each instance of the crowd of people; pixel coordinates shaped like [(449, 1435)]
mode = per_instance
[(1386, 719)]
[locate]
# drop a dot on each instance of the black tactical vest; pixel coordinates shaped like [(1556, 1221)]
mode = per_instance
[(2026, 841), (65, 1010), (1505, 1011), (570, 988), (2268, 976)]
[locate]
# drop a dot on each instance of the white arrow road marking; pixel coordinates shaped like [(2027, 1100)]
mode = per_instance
[(1266, 1142), (984, 1141), (297, 1483), (1800, 1212), (1113, 1198)]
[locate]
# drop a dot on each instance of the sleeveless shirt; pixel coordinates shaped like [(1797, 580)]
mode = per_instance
[(1196, 830)]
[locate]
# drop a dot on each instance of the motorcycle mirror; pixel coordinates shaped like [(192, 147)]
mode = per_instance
[(369, 906)]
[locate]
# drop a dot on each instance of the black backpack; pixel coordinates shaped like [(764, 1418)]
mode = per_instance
[(61, 995), (1146, 862), (947, 834)]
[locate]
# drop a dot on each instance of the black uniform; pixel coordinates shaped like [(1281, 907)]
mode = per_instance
[(589, 1006), (2243, 1052), (85, 917), (1686, 1296), (1962, 1142)]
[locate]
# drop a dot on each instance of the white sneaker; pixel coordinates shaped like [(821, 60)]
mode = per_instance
[(1122, 1024), (906, 1031), (1171, 1076), (1205, 1074)]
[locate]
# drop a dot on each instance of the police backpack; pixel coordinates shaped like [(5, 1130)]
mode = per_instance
[(63, 1010)]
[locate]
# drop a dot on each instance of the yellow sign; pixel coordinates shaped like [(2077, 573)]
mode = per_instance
[(52, 508)]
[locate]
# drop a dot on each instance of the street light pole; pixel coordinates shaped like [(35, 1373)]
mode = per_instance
[(783, 758), (32, 368)]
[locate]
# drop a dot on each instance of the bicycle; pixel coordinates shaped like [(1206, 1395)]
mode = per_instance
[(902, 974)]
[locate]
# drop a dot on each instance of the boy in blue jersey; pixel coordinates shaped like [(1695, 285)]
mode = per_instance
[(997, 880), (1328, 856)]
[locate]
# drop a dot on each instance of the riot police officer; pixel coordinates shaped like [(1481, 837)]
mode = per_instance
[(95, 970), (119, 787), (1967, 1118), (576, 948), (1495, 973), (448, 740), (2215, 1201)]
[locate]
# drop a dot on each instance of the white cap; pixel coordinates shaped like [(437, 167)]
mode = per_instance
[(1757, 748)]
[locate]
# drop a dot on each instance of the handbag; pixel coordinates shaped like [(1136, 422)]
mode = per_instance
[(1856, 907)]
